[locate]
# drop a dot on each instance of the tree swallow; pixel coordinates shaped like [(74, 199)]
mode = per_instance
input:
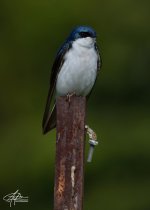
[(74, 70)]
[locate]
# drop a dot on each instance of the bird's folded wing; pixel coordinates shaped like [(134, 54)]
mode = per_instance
[(49, 117)]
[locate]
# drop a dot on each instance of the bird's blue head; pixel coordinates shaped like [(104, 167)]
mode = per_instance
[(82, 32)]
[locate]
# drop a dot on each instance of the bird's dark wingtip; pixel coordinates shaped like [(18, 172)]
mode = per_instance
[(45, 126), (50, 122), (48, 128), (43, 131)]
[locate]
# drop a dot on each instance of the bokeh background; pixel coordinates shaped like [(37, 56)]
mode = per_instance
[(118, 110)]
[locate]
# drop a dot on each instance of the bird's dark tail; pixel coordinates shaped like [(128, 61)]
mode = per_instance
[(50, 122)]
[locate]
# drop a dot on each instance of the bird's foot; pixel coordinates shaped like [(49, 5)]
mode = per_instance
[(69, 95)]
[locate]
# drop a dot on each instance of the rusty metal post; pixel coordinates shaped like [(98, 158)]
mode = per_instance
[(69, 168)]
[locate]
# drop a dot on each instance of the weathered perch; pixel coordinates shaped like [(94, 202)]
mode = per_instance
[(70, 143)]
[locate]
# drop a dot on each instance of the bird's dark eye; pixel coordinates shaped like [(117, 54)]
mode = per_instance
[(85, 34)]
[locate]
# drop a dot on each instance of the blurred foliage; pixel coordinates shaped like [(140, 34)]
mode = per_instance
[(30, 34)]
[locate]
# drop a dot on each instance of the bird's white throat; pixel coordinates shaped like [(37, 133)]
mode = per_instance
[(87, 42)]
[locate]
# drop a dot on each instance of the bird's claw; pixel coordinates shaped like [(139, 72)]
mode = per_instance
[(69, 95)]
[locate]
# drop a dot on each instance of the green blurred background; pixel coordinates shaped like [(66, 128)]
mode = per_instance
[(118, 110)]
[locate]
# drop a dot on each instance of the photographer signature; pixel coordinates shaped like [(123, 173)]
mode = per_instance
[(12, 198)]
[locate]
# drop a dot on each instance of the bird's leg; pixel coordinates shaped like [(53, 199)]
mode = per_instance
[(69, 95)]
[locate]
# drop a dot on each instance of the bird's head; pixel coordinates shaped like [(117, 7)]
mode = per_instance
[(85, 35)]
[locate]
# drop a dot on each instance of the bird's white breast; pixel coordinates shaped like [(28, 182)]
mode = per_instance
[(79, 70)]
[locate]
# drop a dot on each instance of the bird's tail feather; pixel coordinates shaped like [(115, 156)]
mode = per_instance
[(50, 122)]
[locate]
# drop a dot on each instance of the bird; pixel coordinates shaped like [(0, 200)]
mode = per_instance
[(74, 71)]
